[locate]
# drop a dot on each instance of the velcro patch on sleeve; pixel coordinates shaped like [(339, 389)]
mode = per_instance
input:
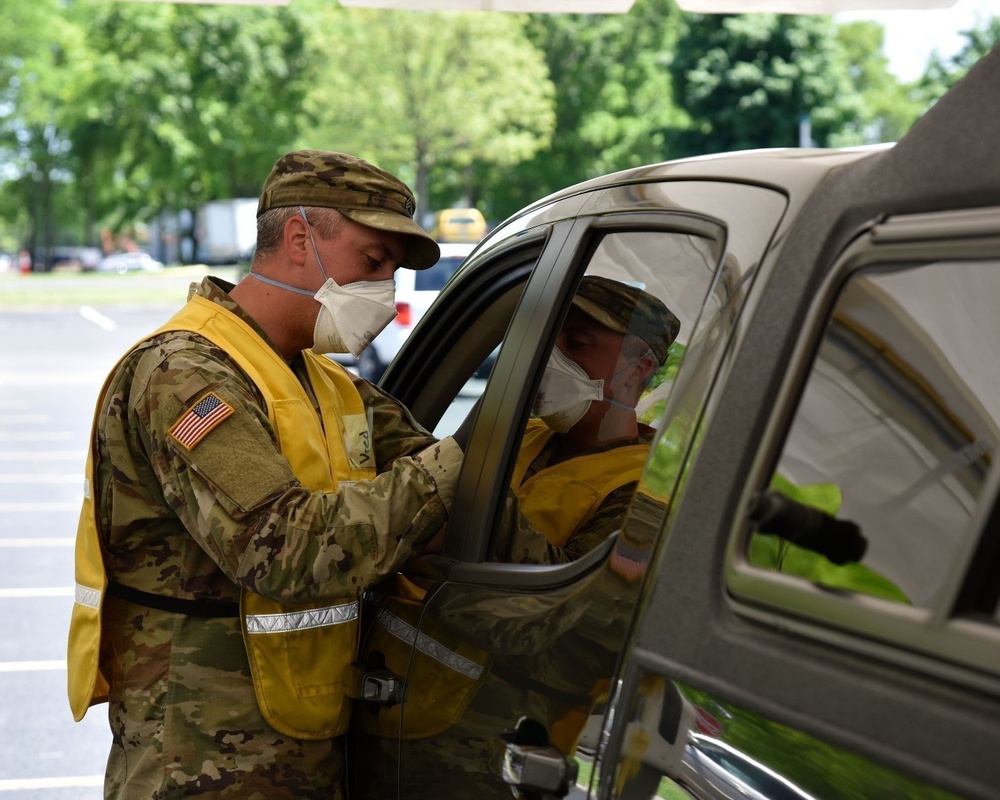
[(200, 419)]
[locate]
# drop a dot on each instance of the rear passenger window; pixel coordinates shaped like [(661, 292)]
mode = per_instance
[(895, 432)]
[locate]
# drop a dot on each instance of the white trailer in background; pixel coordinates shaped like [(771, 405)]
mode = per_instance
[(227, 230)]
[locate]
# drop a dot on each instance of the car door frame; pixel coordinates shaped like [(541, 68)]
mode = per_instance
[(505, 407)]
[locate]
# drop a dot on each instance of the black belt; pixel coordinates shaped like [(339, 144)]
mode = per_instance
[(175, 605)]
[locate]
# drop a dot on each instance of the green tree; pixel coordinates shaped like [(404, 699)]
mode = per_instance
[(942, 73), (118, 111), (37, 184), (427, 95), (887, 108), (748, 81), (181, 104), (614, 100)]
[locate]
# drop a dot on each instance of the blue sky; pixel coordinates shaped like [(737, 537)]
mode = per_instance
[(911, 36)]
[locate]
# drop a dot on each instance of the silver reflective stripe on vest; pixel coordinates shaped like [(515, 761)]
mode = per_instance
[(85, 596), (302, 620), (425, 644)]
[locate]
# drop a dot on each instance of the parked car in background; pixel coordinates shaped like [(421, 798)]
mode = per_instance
[(458, 225), (415, 291), (227, 231), (129, 262), (802, 599)]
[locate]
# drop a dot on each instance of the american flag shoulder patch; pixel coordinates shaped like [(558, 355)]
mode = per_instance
[(201, 418)]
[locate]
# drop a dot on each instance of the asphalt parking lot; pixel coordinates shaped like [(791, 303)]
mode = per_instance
[(59, 334)]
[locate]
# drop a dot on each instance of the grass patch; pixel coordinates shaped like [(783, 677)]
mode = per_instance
[(69, 289)]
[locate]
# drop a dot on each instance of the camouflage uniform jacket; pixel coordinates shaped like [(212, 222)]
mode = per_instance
[(204, 524)]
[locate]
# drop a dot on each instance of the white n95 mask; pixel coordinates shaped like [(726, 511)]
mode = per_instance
[(565, 392), (351, 316)]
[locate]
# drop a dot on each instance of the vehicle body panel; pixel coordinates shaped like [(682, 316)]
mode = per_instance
[(696, 672), (904, 716)]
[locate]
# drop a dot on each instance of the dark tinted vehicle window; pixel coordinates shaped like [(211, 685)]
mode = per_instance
[(897, 428)]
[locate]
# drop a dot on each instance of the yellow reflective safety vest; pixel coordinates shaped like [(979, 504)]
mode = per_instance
[(442, 676), (443, 672), (558, 500), (300, 655)]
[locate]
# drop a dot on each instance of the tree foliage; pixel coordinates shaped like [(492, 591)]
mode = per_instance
[(887, 108), (36, 49), (614, 103), (942, 73), (748, 81), (113, 112), (179, 105), (140, 108), (427, 95)]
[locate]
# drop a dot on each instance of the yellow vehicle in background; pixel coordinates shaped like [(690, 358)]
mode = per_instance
[(458, 225)]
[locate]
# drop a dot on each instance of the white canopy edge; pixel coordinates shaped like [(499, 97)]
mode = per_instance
[(623, 6), (806, 6)]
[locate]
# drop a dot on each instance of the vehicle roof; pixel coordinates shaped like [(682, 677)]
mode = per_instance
[(767, 165), (790, 170)]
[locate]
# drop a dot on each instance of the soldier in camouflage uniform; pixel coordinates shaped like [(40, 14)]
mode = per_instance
[(616, 334), (191, 518), (546, 656)]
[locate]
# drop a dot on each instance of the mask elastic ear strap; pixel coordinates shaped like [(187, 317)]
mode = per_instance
[(611, 402), (281, 285), (624, 369), (632, 363), (319, 262)]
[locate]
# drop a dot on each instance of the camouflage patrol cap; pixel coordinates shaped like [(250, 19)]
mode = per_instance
[(358, 190), (626, 309)]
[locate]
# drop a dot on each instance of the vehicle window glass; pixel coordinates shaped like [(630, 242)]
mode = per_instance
[(593, 420), (895, 432), (466, 368), (708, 343)]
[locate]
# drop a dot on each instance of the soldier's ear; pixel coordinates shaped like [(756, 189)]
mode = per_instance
[(296, 240), (647, 364), (648, 361)]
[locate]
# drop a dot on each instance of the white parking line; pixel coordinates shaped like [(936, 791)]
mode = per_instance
[(20, 784), (41, 541), (31, 666), (52, 477), (52, 591), (95, 316), (34, 508)]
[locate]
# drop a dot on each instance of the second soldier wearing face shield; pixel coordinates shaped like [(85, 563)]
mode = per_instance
[(580, 458), (584, 447)]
